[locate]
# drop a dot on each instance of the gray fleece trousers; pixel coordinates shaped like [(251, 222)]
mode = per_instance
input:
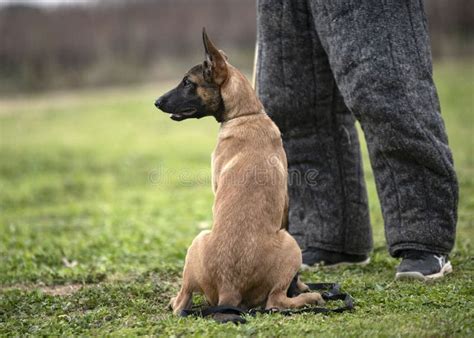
[(323, 64)]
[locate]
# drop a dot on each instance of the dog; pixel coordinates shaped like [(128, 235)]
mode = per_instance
[(248, 259)]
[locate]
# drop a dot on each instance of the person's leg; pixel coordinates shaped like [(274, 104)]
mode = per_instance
[(380, 56), (328, 200)]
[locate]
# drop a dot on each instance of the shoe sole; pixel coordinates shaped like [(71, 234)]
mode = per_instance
[(447, 268), (305, 267)]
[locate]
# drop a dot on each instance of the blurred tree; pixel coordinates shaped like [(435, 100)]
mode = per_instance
[(124, 41)]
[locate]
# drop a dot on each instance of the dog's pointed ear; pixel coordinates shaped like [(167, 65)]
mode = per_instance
[(214, 66)]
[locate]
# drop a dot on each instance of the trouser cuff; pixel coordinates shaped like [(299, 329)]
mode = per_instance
[(396, 249), (339, 249)]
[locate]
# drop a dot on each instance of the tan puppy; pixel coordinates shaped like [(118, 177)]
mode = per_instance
[(248, 259)]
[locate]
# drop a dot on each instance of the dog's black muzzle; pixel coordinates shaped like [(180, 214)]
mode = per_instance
[(179, 109), (159, 103)]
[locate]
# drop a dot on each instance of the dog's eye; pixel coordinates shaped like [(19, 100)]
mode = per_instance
[(187, 83)]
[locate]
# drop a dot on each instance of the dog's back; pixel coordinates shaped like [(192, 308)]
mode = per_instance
[(249, 180)]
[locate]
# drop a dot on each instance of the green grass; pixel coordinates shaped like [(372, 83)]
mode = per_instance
[(102, 180)]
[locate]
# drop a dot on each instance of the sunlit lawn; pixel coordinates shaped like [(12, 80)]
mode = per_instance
[(100, 195)]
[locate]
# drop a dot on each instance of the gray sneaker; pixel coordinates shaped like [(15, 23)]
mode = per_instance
[(423, 265)]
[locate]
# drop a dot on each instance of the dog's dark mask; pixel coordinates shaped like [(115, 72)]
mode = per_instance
[(198, 94)]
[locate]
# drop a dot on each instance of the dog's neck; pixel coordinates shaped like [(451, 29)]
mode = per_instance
[(239, 97)]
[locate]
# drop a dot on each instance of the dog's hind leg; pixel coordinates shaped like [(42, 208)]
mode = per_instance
[(302, 287), (184, 298), (289, 261), (191, 283), (182, 301), (279, 299)]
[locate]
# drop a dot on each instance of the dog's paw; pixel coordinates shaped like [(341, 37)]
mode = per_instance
[(302, 287), (171, 303), (315, 298), (177, 312)]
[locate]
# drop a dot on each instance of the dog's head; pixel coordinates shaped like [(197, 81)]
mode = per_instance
[(199, 93)]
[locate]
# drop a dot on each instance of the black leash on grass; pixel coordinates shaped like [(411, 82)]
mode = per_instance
[(329, 292)]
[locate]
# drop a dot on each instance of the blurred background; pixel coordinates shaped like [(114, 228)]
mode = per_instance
[(50, 44)]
